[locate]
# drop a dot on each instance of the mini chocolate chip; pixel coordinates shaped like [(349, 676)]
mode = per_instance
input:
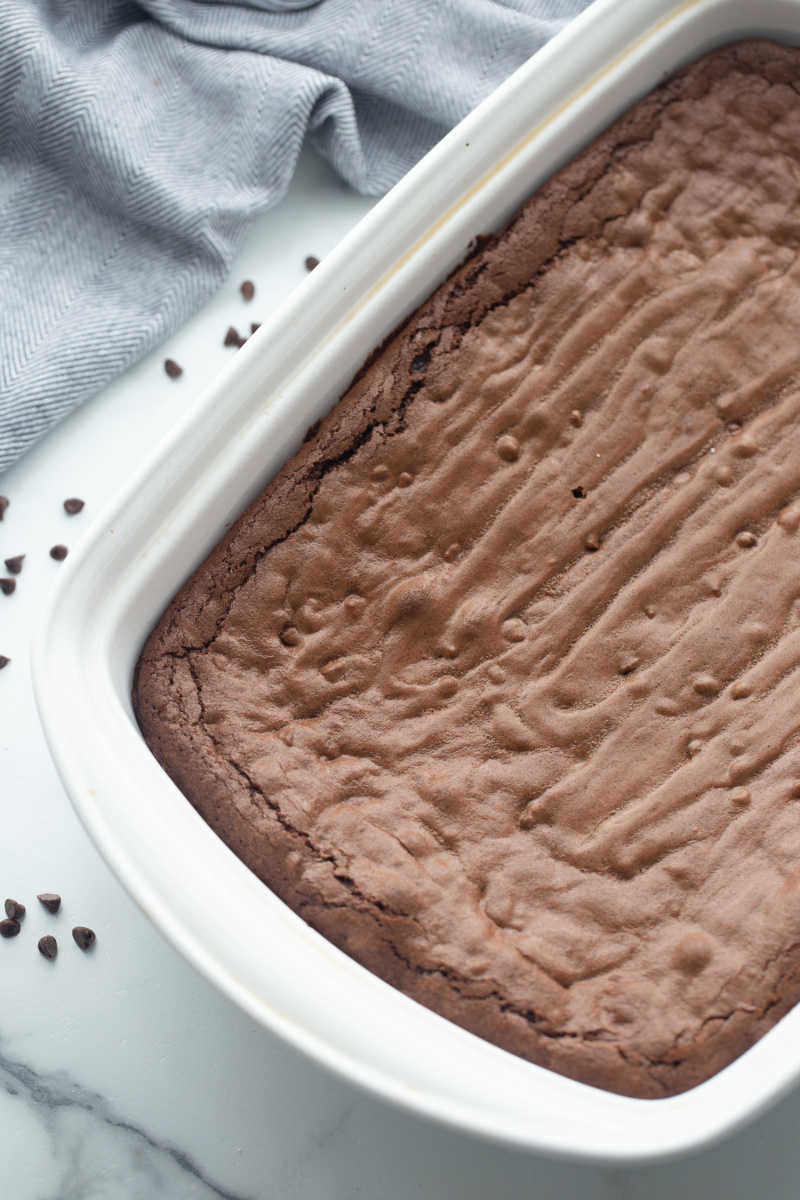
[(232, 338), (48, 946), (59, 553), (254, 325), (84, 937), (14, 909), (311, 262), (4, 661), (579, 492), (508, 447), (9, 928), (248, 289), (172, 368), (14, 565), (4, 503), (7, 586), (50, 900), (73, 506)]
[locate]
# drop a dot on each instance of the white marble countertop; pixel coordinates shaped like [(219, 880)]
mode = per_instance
[(123, 1074)]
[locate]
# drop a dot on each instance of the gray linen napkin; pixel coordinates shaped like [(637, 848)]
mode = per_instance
[(139, 140)]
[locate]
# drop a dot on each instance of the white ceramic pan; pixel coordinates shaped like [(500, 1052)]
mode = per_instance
[(172, 512)]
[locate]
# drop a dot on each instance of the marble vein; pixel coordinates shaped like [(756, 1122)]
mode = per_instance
[(94, 1147)]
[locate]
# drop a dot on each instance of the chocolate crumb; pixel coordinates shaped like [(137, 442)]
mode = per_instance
[(254, 325), (48, 946), (50, 900), (7, 586), (14, 909), (9, 928), (172, 368), (232, 338), (73, 506), (248, 289), (4, 503), (59, 553), (14, 565), (84, 937), (4, 661), (311, 262)]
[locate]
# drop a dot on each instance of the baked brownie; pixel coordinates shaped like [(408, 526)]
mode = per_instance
[(496, 684)]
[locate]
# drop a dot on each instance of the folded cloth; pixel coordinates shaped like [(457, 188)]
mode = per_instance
[(139, 140)]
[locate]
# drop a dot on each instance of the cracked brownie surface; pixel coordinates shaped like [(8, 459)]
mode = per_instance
[(497, 682)]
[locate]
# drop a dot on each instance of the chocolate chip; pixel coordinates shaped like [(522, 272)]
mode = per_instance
[(4, 661), (14, 565), (9, 928), (311, 262), (172, 368), (14, 909), (50, 900), (4, 503), (248, 289), (746, 540), (508, 447), (84, 937), (73, 506), (48, 946), (579, 493), (59, 553), (7, 586), (232, 338), (254, 325)]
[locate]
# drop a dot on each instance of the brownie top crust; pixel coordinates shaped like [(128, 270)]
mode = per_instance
[(497, 682)]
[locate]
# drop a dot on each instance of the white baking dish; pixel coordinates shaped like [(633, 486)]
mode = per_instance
[(171, 513)]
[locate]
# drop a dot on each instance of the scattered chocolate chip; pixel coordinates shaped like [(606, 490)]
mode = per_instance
[(9, 928), (172, 368), (73, 506), (248, 289), (59, 553), (50, 900), (579, 493), (592, 542), (4, 503), (746, 540), (48, 946), (254, 325), (7, 586), (84, 937), (311, 262), (232, 338), (14, 909), (576, 418), (4, 661), (14, 565)]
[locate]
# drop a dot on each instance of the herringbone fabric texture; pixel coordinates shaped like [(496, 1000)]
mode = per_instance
[(139, 140)]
